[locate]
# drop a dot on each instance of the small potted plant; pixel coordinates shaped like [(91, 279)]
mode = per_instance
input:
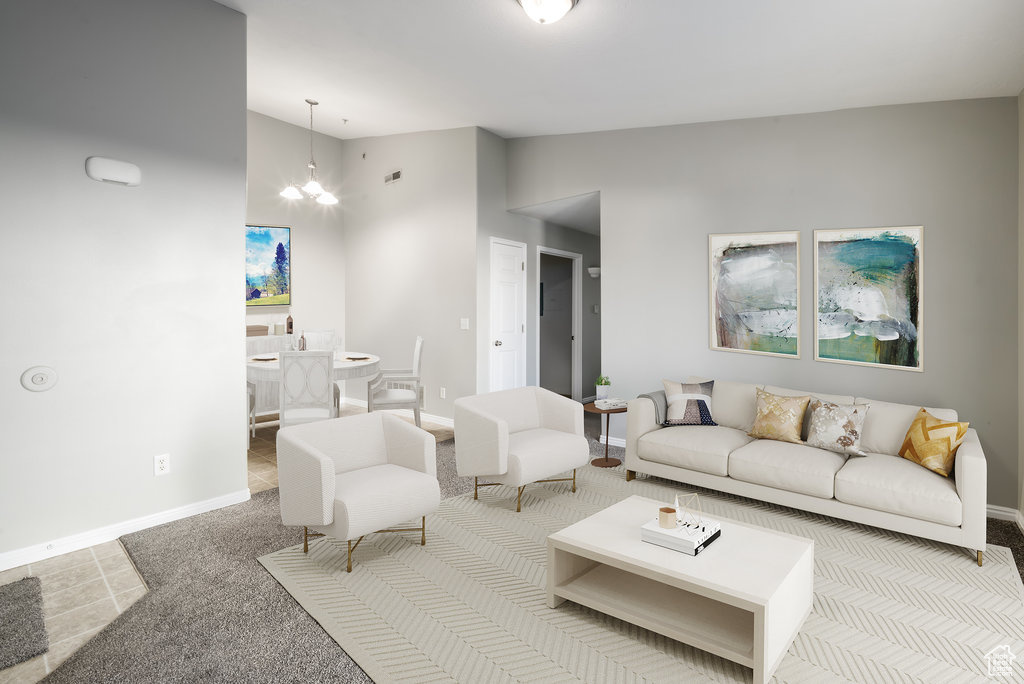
[(603, 386)]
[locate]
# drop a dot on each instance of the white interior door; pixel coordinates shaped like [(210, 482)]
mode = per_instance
[(508, 315)]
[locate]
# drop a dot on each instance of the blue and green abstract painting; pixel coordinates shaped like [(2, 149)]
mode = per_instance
[(755, 298), (868, 285)]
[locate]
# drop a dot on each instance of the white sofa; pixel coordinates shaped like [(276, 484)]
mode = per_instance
[(880, 489)]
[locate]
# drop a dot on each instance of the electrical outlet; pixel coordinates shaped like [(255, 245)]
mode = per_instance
[(162, 464), (442, 392)]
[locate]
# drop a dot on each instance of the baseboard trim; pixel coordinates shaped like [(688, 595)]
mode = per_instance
[(1006, 513), (440, 420), (83, 540), (612, 441)]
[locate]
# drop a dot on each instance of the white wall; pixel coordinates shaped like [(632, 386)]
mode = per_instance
[(131, 294), (949, 166), (1020, 298), (410, 256), (277, 154), (496, 221)]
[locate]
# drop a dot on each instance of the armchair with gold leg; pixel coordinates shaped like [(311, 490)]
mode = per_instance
[(519, 436), (348, 477)]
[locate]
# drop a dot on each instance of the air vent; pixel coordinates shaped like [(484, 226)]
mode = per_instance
[(393, 177)]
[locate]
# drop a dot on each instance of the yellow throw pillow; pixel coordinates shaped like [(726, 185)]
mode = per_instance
[(779, 418), (933, 443)]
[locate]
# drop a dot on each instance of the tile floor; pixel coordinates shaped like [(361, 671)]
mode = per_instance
[(82, 591)]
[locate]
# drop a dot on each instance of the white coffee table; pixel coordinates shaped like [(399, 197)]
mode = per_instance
[(743, 598)]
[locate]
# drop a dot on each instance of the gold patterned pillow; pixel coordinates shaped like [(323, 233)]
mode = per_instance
[(933, 443), (778, 417)]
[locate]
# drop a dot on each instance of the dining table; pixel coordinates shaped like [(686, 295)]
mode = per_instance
[(265, 371)]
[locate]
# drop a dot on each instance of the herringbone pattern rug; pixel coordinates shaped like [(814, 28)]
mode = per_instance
[(470, 605)]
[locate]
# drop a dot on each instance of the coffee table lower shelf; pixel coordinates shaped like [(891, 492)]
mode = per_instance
[(705, 623)]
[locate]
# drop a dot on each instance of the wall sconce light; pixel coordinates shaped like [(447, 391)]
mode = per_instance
[(594, 271)]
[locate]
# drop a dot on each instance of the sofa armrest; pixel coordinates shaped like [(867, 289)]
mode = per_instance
[(640, 419), (481, 441), (306, 482), (971, 474), (559, 413), (409, 446)]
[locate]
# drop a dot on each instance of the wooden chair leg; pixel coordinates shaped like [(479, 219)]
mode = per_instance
[(416, 414)]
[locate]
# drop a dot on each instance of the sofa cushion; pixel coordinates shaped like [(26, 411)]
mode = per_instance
[(733, 404), (542, 453), (886, 424), (371, 499), (779, 417), (932, 443), (783, 465), (694, 447), (688, 403), (896, 485), (786, 392)]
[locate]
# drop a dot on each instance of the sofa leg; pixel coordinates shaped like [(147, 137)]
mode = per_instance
[(979, 559), (519, 499), (630, 475), (573, 480)]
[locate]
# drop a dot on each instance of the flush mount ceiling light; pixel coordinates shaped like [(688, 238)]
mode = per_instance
[(547, 11), (312, 188)]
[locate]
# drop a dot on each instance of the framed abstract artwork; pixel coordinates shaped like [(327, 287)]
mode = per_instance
[(268, 266), (869, 296), (755, 293)]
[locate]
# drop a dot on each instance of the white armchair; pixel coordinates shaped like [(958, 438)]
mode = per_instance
[(348, 477), (519, 436)]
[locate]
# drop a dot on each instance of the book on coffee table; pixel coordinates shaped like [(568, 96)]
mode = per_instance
[(690, 538)]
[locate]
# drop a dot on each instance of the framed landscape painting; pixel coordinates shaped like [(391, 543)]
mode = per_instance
[(869, 296), (268, 266), (755, 293)]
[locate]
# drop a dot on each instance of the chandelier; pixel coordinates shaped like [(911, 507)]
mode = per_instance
[(312, 188)]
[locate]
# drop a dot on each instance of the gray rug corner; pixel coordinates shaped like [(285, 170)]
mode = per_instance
[(22, 631)]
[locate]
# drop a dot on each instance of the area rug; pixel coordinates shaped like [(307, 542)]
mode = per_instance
[(470, 605), (22, 632)]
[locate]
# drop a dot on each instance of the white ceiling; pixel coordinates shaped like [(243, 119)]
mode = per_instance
[(394, 66)]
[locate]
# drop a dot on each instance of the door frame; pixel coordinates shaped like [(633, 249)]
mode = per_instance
[(523, 250), (577, 315)]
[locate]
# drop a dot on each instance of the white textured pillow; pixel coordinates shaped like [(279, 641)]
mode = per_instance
[(836, 427)]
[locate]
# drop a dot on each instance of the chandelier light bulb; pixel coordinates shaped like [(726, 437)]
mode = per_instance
[(547, 11), (327, 198), (312, 188), (291, 192)]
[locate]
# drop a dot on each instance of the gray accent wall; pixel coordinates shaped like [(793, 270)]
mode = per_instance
[(133, 295), (494, 220), (409, 251), (949, 166), (277, 155)]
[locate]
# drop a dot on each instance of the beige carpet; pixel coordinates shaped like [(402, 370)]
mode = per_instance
[(470, 605)]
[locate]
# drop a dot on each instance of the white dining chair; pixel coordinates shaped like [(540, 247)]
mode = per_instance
[(307, 387), (250, 432), (398, 389), (319, 340)]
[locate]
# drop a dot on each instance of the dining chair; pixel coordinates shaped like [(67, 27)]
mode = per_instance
[(319, 340), (398, 389), (307, 387), (250, 432)]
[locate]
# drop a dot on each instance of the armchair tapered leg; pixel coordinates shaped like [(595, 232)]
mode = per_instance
[(519, 499), (423, 532), (305, 540), (573, 480), (349, 555), (476, 488)]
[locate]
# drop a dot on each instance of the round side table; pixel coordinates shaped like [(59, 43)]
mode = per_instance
[(604, 462)]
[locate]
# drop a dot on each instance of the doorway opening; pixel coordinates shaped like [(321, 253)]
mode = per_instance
[(559, 321)]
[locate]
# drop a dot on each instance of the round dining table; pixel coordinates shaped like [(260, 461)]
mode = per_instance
[(347, 365)]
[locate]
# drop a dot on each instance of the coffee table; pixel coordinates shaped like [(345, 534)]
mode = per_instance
[(744, 598)]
